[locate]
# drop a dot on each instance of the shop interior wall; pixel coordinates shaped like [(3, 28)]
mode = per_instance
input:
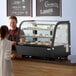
[(68, 13)]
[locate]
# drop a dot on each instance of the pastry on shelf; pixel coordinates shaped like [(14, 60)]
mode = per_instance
[(48, 43), (32, 43), (36, 42), (42, 42), (46, 35)]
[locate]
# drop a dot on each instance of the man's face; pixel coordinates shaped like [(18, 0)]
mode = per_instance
[(13, 23)]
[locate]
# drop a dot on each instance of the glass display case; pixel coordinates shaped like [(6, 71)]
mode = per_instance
[(48, 39)]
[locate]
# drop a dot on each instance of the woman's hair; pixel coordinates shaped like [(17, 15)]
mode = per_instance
[(3, 31), (13, 17)]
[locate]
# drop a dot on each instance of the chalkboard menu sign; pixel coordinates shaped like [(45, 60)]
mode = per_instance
[(48, 7), (19, 7)]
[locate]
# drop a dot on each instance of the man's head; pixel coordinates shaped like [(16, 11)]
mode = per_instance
[(13, 22)]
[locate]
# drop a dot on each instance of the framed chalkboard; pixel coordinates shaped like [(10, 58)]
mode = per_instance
[(48, 7), (19, 7)]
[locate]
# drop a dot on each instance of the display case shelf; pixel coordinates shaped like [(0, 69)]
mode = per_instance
[(37, 36)]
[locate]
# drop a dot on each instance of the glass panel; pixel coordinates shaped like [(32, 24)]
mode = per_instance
[(61, 36)]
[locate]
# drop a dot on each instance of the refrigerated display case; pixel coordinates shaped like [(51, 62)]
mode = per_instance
[(46, 39)]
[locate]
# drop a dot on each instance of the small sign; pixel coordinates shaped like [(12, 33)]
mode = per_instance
[(19, 7), (48, 7)]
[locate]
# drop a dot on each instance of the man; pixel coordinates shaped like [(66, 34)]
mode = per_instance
[(14, 35)]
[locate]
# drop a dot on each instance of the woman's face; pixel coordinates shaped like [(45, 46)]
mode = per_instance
[(13, 23)]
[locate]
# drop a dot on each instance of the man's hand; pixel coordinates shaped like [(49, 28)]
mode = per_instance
[(13, 42)]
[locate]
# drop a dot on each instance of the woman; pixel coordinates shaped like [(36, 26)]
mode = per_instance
[(5, 52)]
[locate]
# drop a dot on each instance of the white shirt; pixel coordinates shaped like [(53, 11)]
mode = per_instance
[(5, 58)]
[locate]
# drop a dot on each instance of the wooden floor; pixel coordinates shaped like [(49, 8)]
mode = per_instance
[(38, 67)]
